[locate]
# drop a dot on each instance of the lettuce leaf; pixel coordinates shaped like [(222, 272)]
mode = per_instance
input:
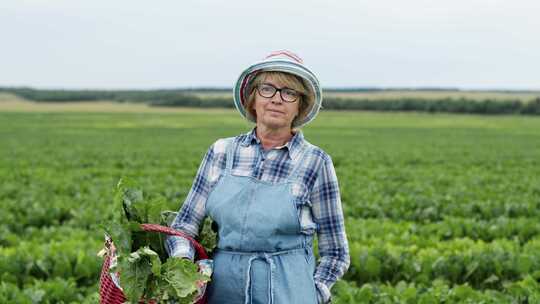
[(135, 271), (146, 271)]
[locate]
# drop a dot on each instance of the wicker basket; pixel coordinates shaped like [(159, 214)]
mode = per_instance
[(110, 293)]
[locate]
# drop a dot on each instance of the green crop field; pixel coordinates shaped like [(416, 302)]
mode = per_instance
[(439, 208)]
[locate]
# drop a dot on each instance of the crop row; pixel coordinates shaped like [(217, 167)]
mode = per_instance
[(425, 235), (73, 257), (458, 261), (524, 291), (415, 189), (57, 290)]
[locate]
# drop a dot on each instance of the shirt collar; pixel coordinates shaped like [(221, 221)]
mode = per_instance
[(293, 146)]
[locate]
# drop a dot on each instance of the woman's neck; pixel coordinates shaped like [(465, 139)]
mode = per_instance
[(271, 138)]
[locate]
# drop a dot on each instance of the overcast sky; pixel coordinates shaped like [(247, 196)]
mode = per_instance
[(476, 44)]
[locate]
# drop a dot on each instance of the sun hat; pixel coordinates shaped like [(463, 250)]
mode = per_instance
[(280, 61)]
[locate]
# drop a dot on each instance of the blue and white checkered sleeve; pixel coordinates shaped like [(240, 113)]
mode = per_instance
[(193, 210), (328, 214)]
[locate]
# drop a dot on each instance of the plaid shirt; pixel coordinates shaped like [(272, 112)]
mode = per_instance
[(321, 211)]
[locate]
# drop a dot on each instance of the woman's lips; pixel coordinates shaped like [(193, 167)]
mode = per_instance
[(275, 111)]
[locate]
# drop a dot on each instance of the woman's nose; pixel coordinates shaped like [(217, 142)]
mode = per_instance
[(277, 97)]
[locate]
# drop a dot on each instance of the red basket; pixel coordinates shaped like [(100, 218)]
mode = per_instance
[(109, 293)]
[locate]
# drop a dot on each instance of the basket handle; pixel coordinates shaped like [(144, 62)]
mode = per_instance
[(199, 249)]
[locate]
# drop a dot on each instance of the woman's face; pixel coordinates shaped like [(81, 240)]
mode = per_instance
[(274, 112)]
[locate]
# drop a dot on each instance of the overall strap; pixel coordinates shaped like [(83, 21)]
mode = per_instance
[(229, 155), (301, 158), (248, 296)]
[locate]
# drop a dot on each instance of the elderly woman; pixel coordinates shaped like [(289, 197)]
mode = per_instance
[(269, 191)]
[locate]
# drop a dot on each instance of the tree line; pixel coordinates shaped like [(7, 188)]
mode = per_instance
[(187, 98)]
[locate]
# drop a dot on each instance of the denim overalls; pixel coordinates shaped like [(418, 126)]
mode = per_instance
[(262, 257)]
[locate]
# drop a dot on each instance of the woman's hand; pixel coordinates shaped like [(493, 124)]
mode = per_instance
[(206, 268)]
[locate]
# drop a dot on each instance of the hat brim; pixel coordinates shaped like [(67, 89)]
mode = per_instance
[(240, 93)]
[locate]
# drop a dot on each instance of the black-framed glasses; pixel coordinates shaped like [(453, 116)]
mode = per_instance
[(268, 91)]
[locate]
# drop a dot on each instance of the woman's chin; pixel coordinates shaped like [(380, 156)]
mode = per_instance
[(275, 123)]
